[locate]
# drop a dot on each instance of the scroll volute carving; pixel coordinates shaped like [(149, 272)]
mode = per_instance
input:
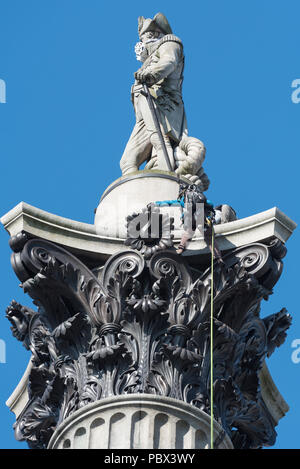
[(144, 328)]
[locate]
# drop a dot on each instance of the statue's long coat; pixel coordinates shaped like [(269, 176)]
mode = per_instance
[(166, 63)]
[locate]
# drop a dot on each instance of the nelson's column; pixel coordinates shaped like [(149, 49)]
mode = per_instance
[(128, 311)]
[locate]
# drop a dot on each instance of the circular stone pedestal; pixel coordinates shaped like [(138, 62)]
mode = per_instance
[(131, 194), (138, 421)]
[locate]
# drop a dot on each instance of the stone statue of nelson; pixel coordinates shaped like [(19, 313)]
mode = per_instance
[(162, 55)]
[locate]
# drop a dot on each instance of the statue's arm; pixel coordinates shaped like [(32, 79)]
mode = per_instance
[(170, 54)]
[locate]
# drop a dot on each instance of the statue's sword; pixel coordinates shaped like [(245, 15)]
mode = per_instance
[(147, 94)]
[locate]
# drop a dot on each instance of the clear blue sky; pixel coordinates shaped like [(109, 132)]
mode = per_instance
[(68, 67)]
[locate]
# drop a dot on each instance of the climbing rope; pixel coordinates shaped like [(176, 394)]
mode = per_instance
[(211, 342)]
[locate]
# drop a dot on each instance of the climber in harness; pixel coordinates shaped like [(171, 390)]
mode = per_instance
[(197, 211)]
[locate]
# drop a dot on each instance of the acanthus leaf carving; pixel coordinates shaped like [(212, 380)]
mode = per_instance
[(144, 328)]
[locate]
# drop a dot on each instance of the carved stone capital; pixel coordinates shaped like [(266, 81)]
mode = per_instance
[(143, 328)]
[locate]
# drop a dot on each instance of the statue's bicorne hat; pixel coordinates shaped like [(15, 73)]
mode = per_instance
[(159, 22)]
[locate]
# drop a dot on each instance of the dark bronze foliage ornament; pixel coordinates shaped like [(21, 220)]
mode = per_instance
[(144, 328)]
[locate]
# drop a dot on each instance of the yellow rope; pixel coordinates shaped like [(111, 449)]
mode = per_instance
[(211, 341)]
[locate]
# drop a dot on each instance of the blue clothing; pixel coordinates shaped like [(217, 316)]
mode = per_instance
[(180, 203), (174, 203)]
